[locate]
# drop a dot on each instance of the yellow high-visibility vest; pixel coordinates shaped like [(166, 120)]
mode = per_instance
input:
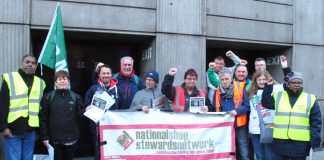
[(292, 122), (22, 104)]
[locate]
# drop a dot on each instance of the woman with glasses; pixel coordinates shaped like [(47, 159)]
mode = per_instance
[(297, 119), (180, 95)]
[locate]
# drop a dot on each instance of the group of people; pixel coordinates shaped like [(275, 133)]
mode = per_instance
[(293, 114), (261, 102)]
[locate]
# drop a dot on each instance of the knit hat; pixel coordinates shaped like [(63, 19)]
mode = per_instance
[(293, 75), (154, 75)]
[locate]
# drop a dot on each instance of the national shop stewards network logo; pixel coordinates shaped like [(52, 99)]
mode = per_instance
[(125, 140)]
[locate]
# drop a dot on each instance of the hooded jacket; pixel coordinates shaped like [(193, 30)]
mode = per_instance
[(127, 88), (112, 90)]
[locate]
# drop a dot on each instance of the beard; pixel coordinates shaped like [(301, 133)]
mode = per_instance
[(29, 71)]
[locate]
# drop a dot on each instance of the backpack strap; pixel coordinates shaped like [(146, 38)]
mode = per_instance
[(115, 75), (135, 78), (50, 96), (73, 96)]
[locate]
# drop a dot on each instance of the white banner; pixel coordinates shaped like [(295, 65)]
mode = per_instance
[(166, 135)]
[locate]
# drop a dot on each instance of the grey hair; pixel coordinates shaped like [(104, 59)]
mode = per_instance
[(125, 58), (223, 72)]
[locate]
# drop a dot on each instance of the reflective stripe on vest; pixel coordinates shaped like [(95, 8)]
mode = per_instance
[(217, 100), (238, 99), (293, 122), (179, 101), (22, 104)]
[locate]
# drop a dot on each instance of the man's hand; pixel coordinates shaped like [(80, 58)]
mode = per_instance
[(46, 143), (173, 71), (98, 66), (229, 54), (233, 113), (7, 133), (243, 62), (145, 109), (89, 107), (212, 65), (283, 61)]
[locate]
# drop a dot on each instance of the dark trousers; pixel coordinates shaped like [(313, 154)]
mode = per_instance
[(281, 157), (94, 130), (2, 148), (64, 152)]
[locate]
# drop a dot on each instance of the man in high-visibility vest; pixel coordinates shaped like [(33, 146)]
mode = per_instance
[(297, 121), (234, 99), (20, 96)]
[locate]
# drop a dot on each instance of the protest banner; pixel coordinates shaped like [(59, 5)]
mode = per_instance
[(166, 135)]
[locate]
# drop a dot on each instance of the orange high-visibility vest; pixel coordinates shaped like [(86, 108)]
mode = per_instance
[(237, 98), (179, 101)]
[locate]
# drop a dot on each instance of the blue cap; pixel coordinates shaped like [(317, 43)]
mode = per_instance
[(154, 75), (294, 75)]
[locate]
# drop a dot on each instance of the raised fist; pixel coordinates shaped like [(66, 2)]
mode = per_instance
[(283, 61), (229, 54), (270, 81), (211, 65), (243, 62), (173, 71)]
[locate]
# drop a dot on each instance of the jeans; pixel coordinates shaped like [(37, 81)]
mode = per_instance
[(262, 151), (242, 143), (20, 146)]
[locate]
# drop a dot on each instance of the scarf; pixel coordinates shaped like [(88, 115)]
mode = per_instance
[(227, 93)]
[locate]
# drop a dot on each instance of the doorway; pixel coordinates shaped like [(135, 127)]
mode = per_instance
[(249, 52), (84, 49)]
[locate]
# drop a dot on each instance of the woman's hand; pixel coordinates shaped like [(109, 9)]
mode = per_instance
[(204, 108), (46, 143)]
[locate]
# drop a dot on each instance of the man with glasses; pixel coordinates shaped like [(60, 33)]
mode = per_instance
[(143, 99), (128, 82), (297, 121)]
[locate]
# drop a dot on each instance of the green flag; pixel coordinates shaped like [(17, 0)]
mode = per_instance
[(53, 53)]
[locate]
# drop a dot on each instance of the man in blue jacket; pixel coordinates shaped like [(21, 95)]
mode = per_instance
[(107, 84), (128, 82)]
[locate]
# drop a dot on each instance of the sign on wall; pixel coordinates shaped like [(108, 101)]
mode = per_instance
[(274, 60)]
